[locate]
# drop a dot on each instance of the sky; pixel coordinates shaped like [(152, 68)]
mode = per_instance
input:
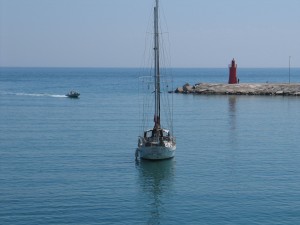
[(112, 33)]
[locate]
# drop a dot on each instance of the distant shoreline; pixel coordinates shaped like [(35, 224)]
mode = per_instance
[(267, 89)]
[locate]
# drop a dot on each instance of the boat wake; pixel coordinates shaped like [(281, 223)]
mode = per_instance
[(41, 95), (37, 95)]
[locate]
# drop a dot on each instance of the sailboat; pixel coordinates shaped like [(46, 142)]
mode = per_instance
[(156, 143)]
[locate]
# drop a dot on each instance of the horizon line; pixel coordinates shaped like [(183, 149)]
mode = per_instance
[(129, 67)]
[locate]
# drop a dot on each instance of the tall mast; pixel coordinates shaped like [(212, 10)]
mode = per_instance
[(156, 68)]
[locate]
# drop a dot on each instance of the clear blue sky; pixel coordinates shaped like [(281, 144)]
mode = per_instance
[(111, 33)]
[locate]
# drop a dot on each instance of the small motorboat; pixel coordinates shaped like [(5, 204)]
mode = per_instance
[(73, 94)]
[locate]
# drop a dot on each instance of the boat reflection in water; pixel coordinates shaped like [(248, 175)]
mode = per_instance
[(156, 179)]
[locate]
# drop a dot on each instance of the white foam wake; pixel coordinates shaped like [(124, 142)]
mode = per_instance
[(38, 95)]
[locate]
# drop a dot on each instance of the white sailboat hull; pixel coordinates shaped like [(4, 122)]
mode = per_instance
[(156, 152)]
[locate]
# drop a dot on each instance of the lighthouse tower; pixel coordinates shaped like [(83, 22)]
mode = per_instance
[(232, 73)]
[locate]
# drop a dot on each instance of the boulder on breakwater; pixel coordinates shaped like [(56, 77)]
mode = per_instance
[(241, 89)]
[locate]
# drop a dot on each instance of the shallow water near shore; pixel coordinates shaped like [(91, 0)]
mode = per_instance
[(71, 161)]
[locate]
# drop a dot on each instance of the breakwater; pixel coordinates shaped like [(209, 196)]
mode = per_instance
[(241, 89)]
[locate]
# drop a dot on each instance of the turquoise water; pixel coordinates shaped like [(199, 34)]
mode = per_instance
[(71, 161)]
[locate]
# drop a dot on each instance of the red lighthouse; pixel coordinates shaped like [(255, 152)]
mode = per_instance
[(232, 73)]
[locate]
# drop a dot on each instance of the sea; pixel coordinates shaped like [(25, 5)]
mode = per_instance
[(72, 161)]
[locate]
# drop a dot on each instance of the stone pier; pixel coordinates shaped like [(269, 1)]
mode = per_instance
[(270, 89)]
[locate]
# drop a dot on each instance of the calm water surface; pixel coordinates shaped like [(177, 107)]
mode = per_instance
[(68, 161)]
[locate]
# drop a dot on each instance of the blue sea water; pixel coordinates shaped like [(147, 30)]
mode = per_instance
[(71, 161)]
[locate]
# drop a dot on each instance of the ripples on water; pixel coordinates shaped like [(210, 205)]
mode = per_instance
[(71, 161)]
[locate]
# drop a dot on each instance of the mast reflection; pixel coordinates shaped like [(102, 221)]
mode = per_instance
[(156, 178)]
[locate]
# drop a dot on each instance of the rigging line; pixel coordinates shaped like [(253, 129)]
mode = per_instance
[(148, 106), (166, 52), (142, 97), (140, 117), (167, 57), (162, 12), (147, 54), (162, 24), (147, 100), (166, 61), (166, 102), (167, 109), (148, 39)]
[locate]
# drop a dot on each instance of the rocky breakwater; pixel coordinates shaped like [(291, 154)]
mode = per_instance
[(241, 89)]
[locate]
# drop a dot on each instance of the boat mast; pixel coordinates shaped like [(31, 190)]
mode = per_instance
[(156, 68)]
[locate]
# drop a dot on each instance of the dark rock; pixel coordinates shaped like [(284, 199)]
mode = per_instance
[(179, 90), (187, 88)]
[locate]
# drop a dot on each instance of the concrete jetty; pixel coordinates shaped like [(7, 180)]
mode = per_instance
[(271, 89)]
